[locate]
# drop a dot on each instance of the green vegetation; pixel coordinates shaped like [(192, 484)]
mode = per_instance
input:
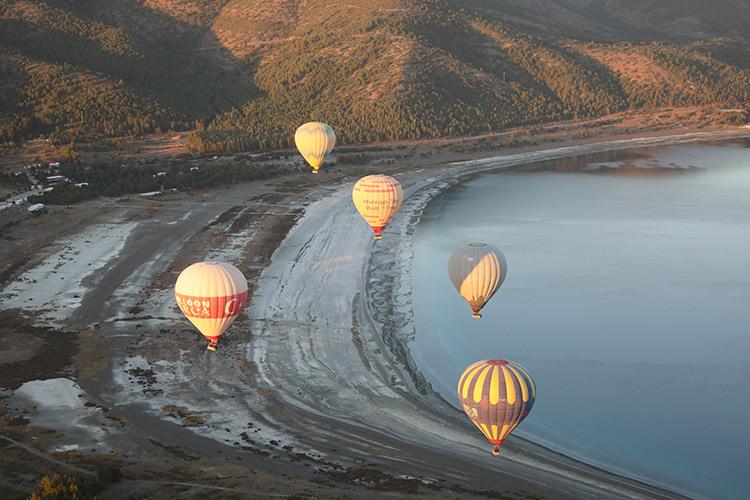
[(114, 180), (83, 72), (17, 182), (457, 73), (65, 487), (245, 73)]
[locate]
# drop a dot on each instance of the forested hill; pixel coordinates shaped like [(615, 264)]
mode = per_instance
[(245, 73)]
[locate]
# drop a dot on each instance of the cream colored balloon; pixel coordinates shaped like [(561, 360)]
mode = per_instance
[(477, 271), (377, 199), (314, 141), (211, 295)]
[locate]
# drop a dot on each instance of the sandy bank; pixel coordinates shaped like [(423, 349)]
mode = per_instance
[(331, 344), (316, 378)]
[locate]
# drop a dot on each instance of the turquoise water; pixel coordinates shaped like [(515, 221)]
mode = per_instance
[(627, 298)]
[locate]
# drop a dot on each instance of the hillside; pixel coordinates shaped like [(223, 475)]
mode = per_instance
[(245, 73)]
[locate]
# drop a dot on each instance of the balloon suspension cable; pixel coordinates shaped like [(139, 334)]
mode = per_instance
[(496, 451)]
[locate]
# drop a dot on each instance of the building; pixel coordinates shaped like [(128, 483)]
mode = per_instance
[(38, 207), (56, 179)]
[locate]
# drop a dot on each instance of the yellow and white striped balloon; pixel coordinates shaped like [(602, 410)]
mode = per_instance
[(477, 271), (314, 141)]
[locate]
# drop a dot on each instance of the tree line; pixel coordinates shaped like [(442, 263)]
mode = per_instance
[(113, 180)]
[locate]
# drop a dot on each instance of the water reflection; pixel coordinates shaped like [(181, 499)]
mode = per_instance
[(626, 297)]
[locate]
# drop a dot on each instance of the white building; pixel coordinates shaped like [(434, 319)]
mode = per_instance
[(56, 179)]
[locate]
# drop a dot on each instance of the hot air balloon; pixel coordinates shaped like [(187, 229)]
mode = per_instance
[(211, 295), (496, 395), (377, 199), (314, 141), (477, 271)]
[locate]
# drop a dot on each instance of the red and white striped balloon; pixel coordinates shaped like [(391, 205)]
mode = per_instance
[(377, 198), (211, 295)]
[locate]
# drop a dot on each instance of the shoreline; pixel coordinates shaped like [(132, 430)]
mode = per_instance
[(303, 341), (319, 369), (410, 218), (494, 164)]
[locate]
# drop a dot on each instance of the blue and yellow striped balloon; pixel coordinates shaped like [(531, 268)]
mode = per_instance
[(496, 395)]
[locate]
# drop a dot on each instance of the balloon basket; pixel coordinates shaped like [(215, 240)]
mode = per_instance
[(211, 347), (496, 451), (377, 237), (476, 316)]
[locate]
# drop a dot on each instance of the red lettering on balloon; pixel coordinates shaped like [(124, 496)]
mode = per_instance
[(211, 307)]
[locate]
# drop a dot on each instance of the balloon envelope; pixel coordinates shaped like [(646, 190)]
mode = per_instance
[(477, 271), (314, 141), (496, 395), (211, 295), (377, 199)]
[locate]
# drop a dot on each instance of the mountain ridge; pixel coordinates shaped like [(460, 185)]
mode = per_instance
[(245, 73)]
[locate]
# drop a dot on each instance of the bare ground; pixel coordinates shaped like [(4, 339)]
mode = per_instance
[(171, 413)]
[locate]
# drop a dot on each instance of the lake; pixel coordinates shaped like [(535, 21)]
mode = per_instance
[(627, 298)]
